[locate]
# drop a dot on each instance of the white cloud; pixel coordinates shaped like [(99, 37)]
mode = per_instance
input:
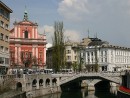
[(49, 31), (73, 9), (72, 35), (77, 10)]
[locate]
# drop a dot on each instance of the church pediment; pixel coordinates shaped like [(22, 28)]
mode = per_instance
[(27, 23)]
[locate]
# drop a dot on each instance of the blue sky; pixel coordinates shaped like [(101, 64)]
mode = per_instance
[(110, 19)]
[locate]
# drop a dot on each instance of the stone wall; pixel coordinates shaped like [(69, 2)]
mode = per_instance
[(13, 94)]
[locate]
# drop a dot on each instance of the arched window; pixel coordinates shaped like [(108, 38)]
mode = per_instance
[(19, 86), (41, 82), (26, 34), (34, 83)]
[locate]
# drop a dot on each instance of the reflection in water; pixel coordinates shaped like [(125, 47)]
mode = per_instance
[(91, 94), (57, 95), (113, 90), (83, 93)]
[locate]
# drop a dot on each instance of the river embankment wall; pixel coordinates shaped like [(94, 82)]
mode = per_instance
[(13, 94), (43, 91)]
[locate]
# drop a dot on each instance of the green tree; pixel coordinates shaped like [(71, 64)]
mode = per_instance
[(58, 56), (75, 66), (26, 60), (96, 67)]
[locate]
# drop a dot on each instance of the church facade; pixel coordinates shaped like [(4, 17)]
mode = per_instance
[(27, 46)]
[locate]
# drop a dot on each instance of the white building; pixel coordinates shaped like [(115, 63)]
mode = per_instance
[(71, 52), (109, 58)]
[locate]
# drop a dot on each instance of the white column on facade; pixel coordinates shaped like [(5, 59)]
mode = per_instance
[(44, 55), (86, 58), (37, 52), (15, 54), (33, 32), (33, 50), (19, 54), (18, 32), (36, 33), (15, 30), (23, 34), (28, 35), (90, 54)]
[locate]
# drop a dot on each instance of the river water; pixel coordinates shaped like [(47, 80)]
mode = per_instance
[(83, 93)]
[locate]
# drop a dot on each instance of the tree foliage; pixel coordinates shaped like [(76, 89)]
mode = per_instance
[(75, 66), (58, 58), (26, 60), (96, 67), (34, 62)]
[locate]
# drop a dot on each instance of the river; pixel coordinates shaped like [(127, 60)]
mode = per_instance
[(83, 93)]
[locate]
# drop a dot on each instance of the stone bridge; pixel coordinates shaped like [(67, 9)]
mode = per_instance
[(53, 82), (112, 77), (92, 80)]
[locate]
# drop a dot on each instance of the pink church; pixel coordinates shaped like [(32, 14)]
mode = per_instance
[(27, 47)]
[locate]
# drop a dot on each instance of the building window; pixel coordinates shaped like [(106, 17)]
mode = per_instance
[(1, 36), (102, 59), (30, 55), (88, 53), (6, 60), (92, 53), (68, 51), (102, 53), (12, 54), (1, 48), (6, 15), (6, 38), (1, 60), (26, 55), (111, 52), (68, 57), (88, 60), (105, 53), (22, 55), (26, 34), (74, 51), (105, 59), (40, 54), (40, 61), (2, 24), (75, 57), (6, 26), (6, 49), (92, 59), (2, 11)]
